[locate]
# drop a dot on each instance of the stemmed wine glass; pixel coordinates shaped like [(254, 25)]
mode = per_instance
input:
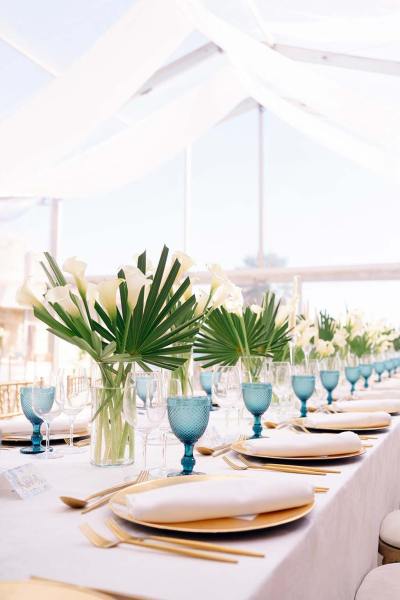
[(303, 383), (75, 388), (280, 377), (329, 375), (256, 390), (366, 370), (226, 389), (352, 372), (379, 367), (47, 404), (144, 405)]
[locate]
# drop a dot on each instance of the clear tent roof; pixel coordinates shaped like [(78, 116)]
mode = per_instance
[(32, 50)]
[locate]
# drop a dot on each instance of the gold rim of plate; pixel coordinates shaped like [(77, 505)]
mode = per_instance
[(26, 437), (240, 448), (222, 525), (46, 590), (325, 428)]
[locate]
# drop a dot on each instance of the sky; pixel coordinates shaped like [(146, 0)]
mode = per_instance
[(320, 209)]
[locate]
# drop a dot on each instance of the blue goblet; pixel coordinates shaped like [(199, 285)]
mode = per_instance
[(379, 367), (329, 380), (352, 376), (303, 387), (366, 372), (257, 398), (26, 405), (188, 417)]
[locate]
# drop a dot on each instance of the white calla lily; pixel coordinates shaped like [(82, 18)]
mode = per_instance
[(77, 269), (256, 309), (31, 293), (61, 294), (283, 314), (340, 338), (135, 280), (107, 290), (324, 348), (185, 261), (201, 303), (218, 276)]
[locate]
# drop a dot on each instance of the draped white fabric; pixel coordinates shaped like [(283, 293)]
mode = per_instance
[(141, 147), (55, 121), (366, 130), (41, 143)]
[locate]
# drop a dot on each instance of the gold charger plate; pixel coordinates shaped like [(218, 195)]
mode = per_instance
[(240, 448), (26, 437), (43, 590), (339, 429), (224, 525)]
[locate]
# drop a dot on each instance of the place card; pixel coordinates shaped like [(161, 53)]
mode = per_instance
[(25, 480)]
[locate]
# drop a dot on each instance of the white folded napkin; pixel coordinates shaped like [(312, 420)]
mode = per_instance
[(291, 444), (393, 394), (217, 498), (355, 419), (21, 425), (367, 405)]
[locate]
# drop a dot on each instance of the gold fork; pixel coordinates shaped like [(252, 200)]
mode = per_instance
[(236, 467), (101, 542), (122, 535), (297, 468), (277, 468), (142, 477)]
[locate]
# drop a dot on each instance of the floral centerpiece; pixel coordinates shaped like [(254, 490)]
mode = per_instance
[(142, 316), (231, 331)]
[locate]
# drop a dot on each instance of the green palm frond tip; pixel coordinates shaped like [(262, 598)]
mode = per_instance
[(224, 337)]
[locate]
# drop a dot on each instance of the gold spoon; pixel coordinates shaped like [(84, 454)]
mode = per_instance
[(82, 502)]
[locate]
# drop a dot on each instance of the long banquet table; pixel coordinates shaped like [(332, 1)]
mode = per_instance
[(324, 555)]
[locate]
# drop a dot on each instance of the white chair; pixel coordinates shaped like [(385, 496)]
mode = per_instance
[(382, 583), (389, 538)]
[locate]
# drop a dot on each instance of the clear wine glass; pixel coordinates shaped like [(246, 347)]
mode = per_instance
[(144, 405), (75, 388), (47, 403), (281, 385), (227, 391)]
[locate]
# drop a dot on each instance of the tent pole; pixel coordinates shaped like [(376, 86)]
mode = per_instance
[(54, 243), (260, 251), (187, 197)]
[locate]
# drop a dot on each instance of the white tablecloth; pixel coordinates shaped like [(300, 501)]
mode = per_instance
[(323, 556)]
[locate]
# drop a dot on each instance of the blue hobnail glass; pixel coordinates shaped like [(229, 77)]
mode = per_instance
[(352, 376), (188, 418), (329, 380), (47, 396), (303, 387), (257, 398), (379, 367), (366, 372)]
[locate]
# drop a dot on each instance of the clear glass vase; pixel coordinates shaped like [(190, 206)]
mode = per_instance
[(112, 438)]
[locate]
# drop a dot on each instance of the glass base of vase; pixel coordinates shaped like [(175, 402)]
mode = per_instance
[(124, 462)]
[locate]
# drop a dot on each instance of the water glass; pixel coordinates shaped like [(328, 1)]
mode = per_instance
[(227, 391), (255, 369), (379, 368), (280, 378), (47, 404), (366, 372), (75, 388), (144, 405), (36, 438), (188, 417), (303, 384)]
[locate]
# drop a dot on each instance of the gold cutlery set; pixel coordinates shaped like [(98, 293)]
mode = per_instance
[(171, 545)]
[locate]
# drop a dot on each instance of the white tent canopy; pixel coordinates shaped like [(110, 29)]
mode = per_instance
[(76, 136)]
